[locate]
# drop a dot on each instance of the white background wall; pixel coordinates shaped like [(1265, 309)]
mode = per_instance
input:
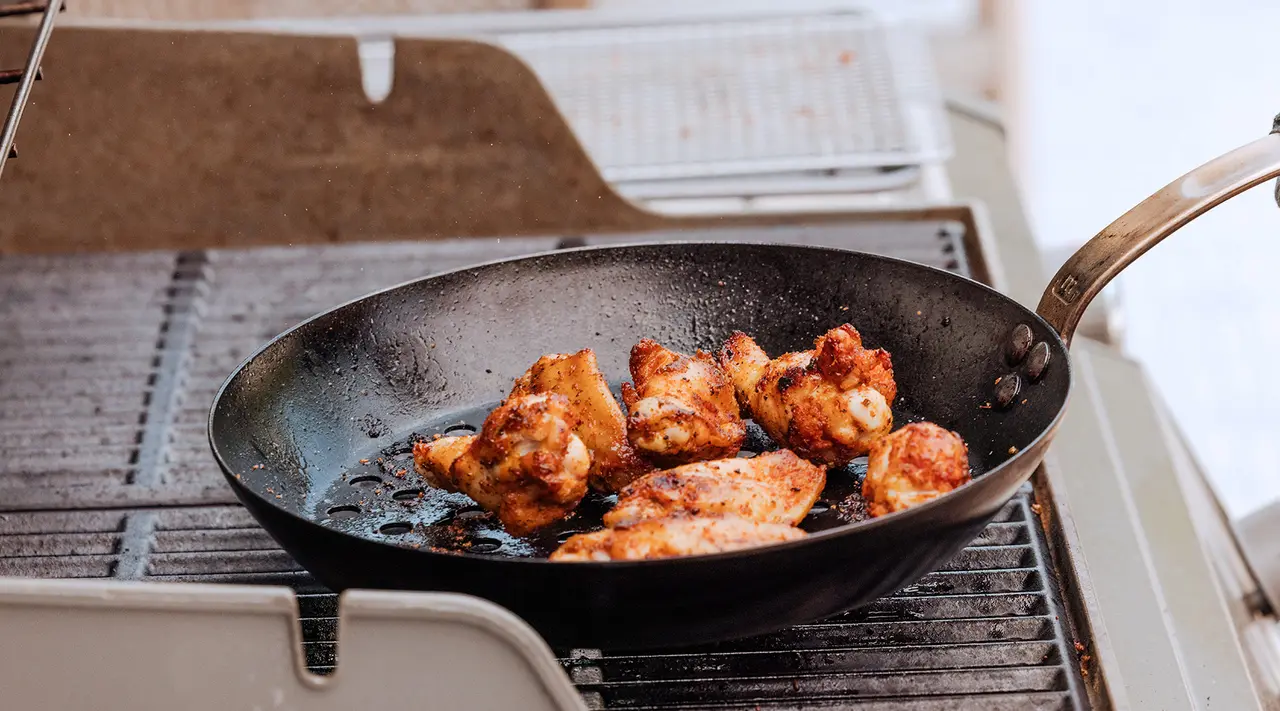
[(1115, 99)]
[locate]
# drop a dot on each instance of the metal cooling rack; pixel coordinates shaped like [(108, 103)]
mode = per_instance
[(743, 96), (27, 76)]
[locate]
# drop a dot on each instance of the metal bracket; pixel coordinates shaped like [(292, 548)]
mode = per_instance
[(1275, 128), (27, 76)]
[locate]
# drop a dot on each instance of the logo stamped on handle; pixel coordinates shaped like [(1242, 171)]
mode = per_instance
[(1067, 289)]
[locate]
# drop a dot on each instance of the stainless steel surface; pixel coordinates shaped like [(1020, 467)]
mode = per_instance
[(930, 188), (1209, 649), (1259, 534), (29, 73), (1259, 630), (834, 181)]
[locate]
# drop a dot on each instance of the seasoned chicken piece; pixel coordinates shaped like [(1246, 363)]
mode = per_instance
[(682, 407), (434, 460), (828, 404), (919, 462), (671, 537), (601, 425), (526, 464), (775, 487)]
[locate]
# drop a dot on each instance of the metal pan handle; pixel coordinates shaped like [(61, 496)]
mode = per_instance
[(1095, 264)]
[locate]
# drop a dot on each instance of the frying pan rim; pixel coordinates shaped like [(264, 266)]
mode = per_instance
[(813, 538)]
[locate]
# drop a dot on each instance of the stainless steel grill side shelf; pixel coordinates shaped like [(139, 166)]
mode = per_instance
[(27, 76)]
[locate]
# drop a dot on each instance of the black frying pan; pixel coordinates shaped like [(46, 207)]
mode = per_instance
[(292, 424)]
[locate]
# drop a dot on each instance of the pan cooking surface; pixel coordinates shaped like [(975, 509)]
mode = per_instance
[(380, 497), (442, 351)]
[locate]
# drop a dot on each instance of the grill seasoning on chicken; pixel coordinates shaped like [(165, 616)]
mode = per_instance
[(828, 404), (918, 463), (682, 408), (672, 537), (600, 422), (775, 487), (526, 464)]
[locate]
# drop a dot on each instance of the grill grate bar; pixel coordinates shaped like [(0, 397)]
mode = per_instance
[(949, 631), (82, 566), (976, 582), (108, 427), (227, 541), (79, 356), (844, 684), (53, 524), (110, 494), (22, 459), (740, 664), (192, 563), (1033, 701), (61, 545)]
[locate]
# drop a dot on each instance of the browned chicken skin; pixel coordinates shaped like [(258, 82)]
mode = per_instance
[(683, 408), (434, 460), (919, 462), (828, 404), (526, 464), (671, 537), (600, 423), (775, 487)]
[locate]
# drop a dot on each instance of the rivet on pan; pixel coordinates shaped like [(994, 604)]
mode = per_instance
[(1019, 344), (1007, 390), (1038, 361)]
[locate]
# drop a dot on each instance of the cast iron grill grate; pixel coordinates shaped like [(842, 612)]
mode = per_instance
[(105, 472), (78, 350)]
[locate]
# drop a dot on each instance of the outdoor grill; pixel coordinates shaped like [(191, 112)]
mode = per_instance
[(109, 359), (107, 474)]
